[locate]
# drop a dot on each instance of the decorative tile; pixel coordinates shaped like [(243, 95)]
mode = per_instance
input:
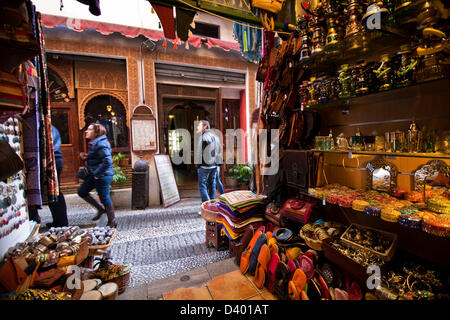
[(231, 286)]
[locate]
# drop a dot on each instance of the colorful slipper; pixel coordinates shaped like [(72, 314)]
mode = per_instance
[(314, 292), (353, 289), (323, 287), (307, 266), (261, 268), (297, 284), (282, 281), (292, 267), (245, 257), (274, 260), (255, 252)]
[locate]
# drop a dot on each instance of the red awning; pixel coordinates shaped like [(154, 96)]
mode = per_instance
[(51, 21)]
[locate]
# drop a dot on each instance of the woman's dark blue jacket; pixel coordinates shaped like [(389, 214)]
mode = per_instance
[(99, 160)]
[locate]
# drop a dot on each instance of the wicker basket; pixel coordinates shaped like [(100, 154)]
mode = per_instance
[(208, 215), (122, 281), (93, 250), (315, 244)]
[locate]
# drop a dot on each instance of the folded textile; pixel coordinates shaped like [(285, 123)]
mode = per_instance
[(239, 225), (241, 199)]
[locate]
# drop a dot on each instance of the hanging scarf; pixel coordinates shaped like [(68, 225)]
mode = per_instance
[(50, 183), (250, 41)]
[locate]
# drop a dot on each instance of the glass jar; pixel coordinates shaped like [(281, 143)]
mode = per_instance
[(397, 141), (387, 142), (379, 143), (320, 143), (369, 143), (414, 138)]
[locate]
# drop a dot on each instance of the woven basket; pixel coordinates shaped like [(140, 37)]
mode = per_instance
[(208, 215), (315, 244), (122, 281)]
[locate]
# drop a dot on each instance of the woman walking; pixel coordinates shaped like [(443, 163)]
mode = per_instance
[(99, 165)]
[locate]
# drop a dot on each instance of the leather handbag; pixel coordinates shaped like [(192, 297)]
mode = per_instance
[(263, 68), (83, 173), (10, 162)]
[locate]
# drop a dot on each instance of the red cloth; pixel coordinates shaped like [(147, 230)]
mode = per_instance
[(165, 15)]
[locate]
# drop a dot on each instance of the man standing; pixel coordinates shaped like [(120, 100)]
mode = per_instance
[(205, 160)]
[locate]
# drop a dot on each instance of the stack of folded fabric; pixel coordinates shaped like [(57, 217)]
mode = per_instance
[(238, 209)]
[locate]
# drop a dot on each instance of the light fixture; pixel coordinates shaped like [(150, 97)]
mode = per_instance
[(171, 116), (113, 113), (108, 108)]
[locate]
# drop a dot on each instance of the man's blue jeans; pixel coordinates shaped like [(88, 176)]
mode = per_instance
[(218, 182), (207, 183), (102, 185)]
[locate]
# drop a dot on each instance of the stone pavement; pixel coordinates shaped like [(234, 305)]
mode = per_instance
[(159, 243)]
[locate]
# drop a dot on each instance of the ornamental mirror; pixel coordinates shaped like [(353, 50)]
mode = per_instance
[(382, 175), (434, 173)]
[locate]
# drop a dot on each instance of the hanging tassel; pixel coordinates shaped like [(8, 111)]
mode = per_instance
[(187, 45), (175, 46), (153, 11), (189, 33), (164, 43), (245, 40)]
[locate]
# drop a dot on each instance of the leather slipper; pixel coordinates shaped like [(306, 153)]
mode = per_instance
[(293, 253), (274, 260), (245, 257), (281, 283), (297, 284), (314, 292), (255, 252), (245, 240), (307, 266), (332, 296), (261, 268), (323, 286), (292, 267), (353, 290), (273, 248)]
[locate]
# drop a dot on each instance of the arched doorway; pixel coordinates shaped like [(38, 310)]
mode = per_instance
[(111, 113), (65, 119), (182, 116)]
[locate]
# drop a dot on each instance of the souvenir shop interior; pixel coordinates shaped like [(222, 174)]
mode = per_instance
[(359, 208), (354, 97), (35, 266)]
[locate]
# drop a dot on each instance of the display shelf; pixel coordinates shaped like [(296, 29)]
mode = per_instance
[(417, 242), (388, 154), (371, 45), (432, 86)]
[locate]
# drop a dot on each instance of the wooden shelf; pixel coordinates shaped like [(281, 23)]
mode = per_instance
[(416, 242), (427, 86), (388, 154)]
